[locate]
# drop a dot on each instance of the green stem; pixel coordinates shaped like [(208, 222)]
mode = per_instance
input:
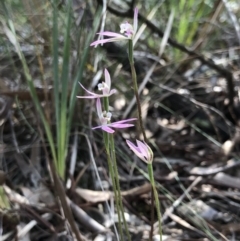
[(152, 216), (151, 176), (106, 135), (110, 149), (119, 197), (111, 170), (106, 104), (135, 88)]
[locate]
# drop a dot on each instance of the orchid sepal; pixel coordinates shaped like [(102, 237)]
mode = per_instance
[(142, 150)]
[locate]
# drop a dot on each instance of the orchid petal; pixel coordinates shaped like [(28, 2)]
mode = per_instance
[(107, 129), (111, 34), (142, 146), (142, 150), (123, 121), (132, 146), (135, 149), (117, 125), (126, 28), (105, 117), (113, 91), (93, 95), (120, 126), (107, 78), (103, 41), (105, 87)]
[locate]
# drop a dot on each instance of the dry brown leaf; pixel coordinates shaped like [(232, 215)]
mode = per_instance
[(100, 196), (94, 196)]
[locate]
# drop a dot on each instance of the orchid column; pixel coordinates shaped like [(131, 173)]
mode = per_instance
[(108, 130)]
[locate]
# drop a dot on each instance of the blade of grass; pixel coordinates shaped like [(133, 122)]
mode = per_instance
[(55, 68), (63, 115), (65, 110), (190, 12), (81, 67), (195, 22), (11, 34)]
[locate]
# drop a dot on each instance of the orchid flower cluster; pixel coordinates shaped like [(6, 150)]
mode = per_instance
[(128, 31), (141, 149), (104, 116)]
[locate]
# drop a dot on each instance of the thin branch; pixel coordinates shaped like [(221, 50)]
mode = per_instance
[(207, 61)]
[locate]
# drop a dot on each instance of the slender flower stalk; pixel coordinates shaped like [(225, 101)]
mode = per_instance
[(157, 203), (105, 118), (135, 88), (111, 159), (105, 87), (144, 152), (107, 141), (118, 188)]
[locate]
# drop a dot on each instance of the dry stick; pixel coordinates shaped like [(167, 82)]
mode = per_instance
[(209, 62), (180, 199), (60, 192), (66, 209)]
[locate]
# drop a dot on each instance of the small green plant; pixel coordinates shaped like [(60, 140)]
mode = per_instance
[(64, 91)]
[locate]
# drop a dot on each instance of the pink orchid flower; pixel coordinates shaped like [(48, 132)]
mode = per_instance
[(128, 31), (105, 87), (105, 118), (142, 150)]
